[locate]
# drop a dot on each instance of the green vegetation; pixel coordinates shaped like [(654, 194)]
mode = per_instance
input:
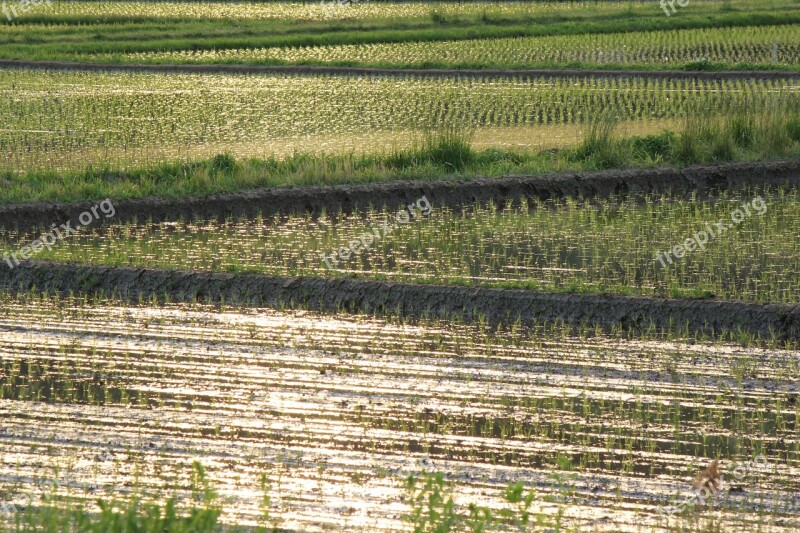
[(353, 423), (433, 509), (597, 246), (129, 517), (436, 131), (447, 149), (574, 414), (573, 436), (429, 497), (448, 160), (760, 47), (67, 121), (113, 31)]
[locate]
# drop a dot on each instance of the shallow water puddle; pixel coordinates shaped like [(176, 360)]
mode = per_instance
[(336, 410)]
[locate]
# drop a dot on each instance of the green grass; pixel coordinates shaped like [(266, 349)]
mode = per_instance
[(114, 518), (65, 122), (448, 149)]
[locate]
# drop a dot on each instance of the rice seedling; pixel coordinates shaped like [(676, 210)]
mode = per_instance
[(719, 48), (277, 31), (115, 416), (159, 134), (508, 428), (598, 246)]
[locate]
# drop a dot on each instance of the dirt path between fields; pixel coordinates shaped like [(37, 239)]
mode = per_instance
[(702, 181), (395, 72), (632, 314)]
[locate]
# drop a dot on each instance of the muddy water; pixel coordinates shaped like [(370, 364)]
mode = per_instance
[(336, 410)]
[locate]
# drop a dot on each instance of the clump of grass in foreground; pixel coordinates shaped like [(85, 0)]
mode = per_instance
[(115, 518), (130, 517), (709, 137), (600, 146), (447, 147), (433, 508), (429, 497)]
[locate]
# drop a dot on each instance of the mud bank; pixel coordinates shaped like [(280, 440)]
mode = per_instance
[(398, 72), (633, 314), (703, 181)]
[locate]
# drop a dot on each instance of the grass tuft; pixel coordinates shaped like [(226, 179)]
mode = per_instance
[(449, 148), (600, 145), (223, 164)]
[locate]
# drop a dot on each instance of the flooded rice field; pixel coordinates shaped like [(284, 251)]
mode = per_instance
[(599, 246), (314, 422), (59, 120), (303, 10)]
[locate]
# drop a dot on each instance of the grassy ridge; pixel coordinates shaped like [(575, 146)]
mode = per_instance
[(540, 249)]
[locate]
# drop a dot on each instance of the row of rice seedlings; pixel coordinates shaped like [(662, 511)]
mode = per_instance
[(77, 307), (748, 418), (603, 246), (660, 426), (490, 348), (566, 418), (377, 9), (763, 44), (60, 120), (561, 330), (641, 419)]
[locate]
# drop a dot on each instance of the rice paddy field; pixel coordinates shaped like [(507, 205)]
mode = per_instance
[(60, 120), (311, 423), (767, 45), (118, 415), (728, 33), (292, 11), (567, 246)]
